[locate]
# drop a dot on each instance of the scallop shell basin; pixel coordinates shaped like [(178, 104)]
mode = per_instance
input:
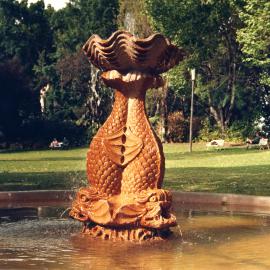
[(124, 52)]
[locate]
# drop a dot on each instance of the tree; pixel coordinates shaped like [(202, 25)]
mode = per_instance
[(254, 38), (47, 44), (80, 19), (255, 35), (24, 31), (74, 97), (17, 103), (207, 30), (76, 93)]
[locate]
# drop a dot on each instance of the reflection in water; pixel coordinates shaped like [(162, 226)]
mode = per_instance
[(210, 241), (21, 213)]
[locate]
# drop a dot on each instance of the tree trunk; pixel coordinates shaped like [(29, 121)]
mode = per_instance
[(222, 114), (232, 90), (219, 117)]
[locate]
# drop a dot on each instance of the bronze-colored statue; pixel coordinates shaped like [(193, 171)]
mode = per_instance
[(125, 162)]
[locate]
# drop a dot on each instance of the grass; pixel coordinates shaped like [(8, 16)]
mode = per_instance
[(232, 170), (51, 169)]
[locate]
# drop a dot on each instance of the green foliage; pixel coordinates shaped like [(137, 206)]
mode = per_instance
[(16, 100), (75, 23), (75, 97), (207, 31), (42, 46), (153, 100), (24, 31), (192, 23), (76, 91), (70, 89), (254, 36), (178, 80), (47, 44), (265, 78), (237, 132), (154, 122)]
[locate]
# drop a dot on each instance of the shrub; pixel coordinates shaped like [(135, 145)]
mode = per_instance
[(237, 132), (178, 127)]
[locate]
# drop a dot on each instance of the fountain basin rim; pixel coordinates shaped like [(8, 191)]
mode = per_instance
[(192, 200), (40, 197)]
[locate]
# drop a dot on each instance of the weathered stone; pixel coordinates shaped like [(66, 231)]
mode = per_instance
[(124, 199)]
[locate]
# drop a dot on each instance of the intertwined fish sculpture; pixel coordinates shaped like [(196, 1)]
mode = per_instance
[(125, 161)]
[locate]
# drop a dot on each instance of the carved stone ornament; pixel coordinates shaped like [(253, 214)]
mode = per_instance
[(125, 161)]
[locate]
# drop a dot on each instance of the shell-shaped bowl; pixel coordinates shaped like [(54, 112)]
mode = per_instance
[(124, 52)]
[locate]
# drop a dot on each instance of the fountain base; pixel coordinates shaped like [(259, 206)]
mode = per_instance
[(122, 234), (142, 216)]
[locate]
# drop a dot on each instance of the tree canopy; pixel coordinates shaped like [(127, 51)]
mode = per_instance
[(227, 42), (208, 32)]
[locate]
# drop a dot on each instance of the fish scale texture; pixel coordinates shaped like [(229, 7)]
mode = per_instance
[(144, 171), (103, 173)]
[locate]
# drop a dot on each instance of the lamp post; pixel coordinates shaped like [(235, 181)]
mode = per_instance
[(193, 75)]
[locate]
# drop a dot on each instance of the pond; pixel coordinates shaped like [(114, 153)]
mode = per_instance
[(39, 238)]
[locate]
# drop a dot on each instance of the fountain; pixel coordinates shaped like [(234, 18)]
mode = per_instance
[(220, 231), (125, 162)]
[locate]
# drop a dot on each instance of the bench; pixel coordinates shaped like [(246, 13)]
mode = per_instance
[(217, 144), (263, 143), (59, 145)]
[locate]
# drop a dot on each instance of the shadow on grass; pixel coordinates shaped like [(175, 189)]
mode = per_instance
[(20, 151), (252, 180), (212, 153), (41, 180), (43, 159)]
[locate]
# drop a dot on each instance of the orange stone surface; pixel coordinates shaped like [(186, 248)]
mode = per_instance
[(125, 161)]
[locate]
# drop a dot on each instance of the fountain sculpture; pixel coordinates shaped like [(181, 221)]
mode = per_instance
[(125, 162)]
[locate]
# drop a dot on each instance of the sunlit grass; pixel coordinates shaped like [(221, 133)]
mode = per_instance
[(232, 170)]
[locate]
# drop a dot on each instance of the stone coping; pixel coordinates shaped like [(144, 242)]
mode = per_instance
[(221, 202), (36, 196), (220, 198), (187, 200)]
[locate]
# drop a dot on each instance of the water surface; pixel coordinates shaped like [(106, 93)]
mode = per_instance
[(212, 241)]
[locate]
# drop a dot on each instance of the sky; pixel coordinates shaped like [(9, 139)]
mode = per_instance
[(55, 3)]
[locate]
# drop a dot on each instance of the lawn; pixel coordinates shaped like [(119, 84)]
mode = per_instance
[(232, 170)]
